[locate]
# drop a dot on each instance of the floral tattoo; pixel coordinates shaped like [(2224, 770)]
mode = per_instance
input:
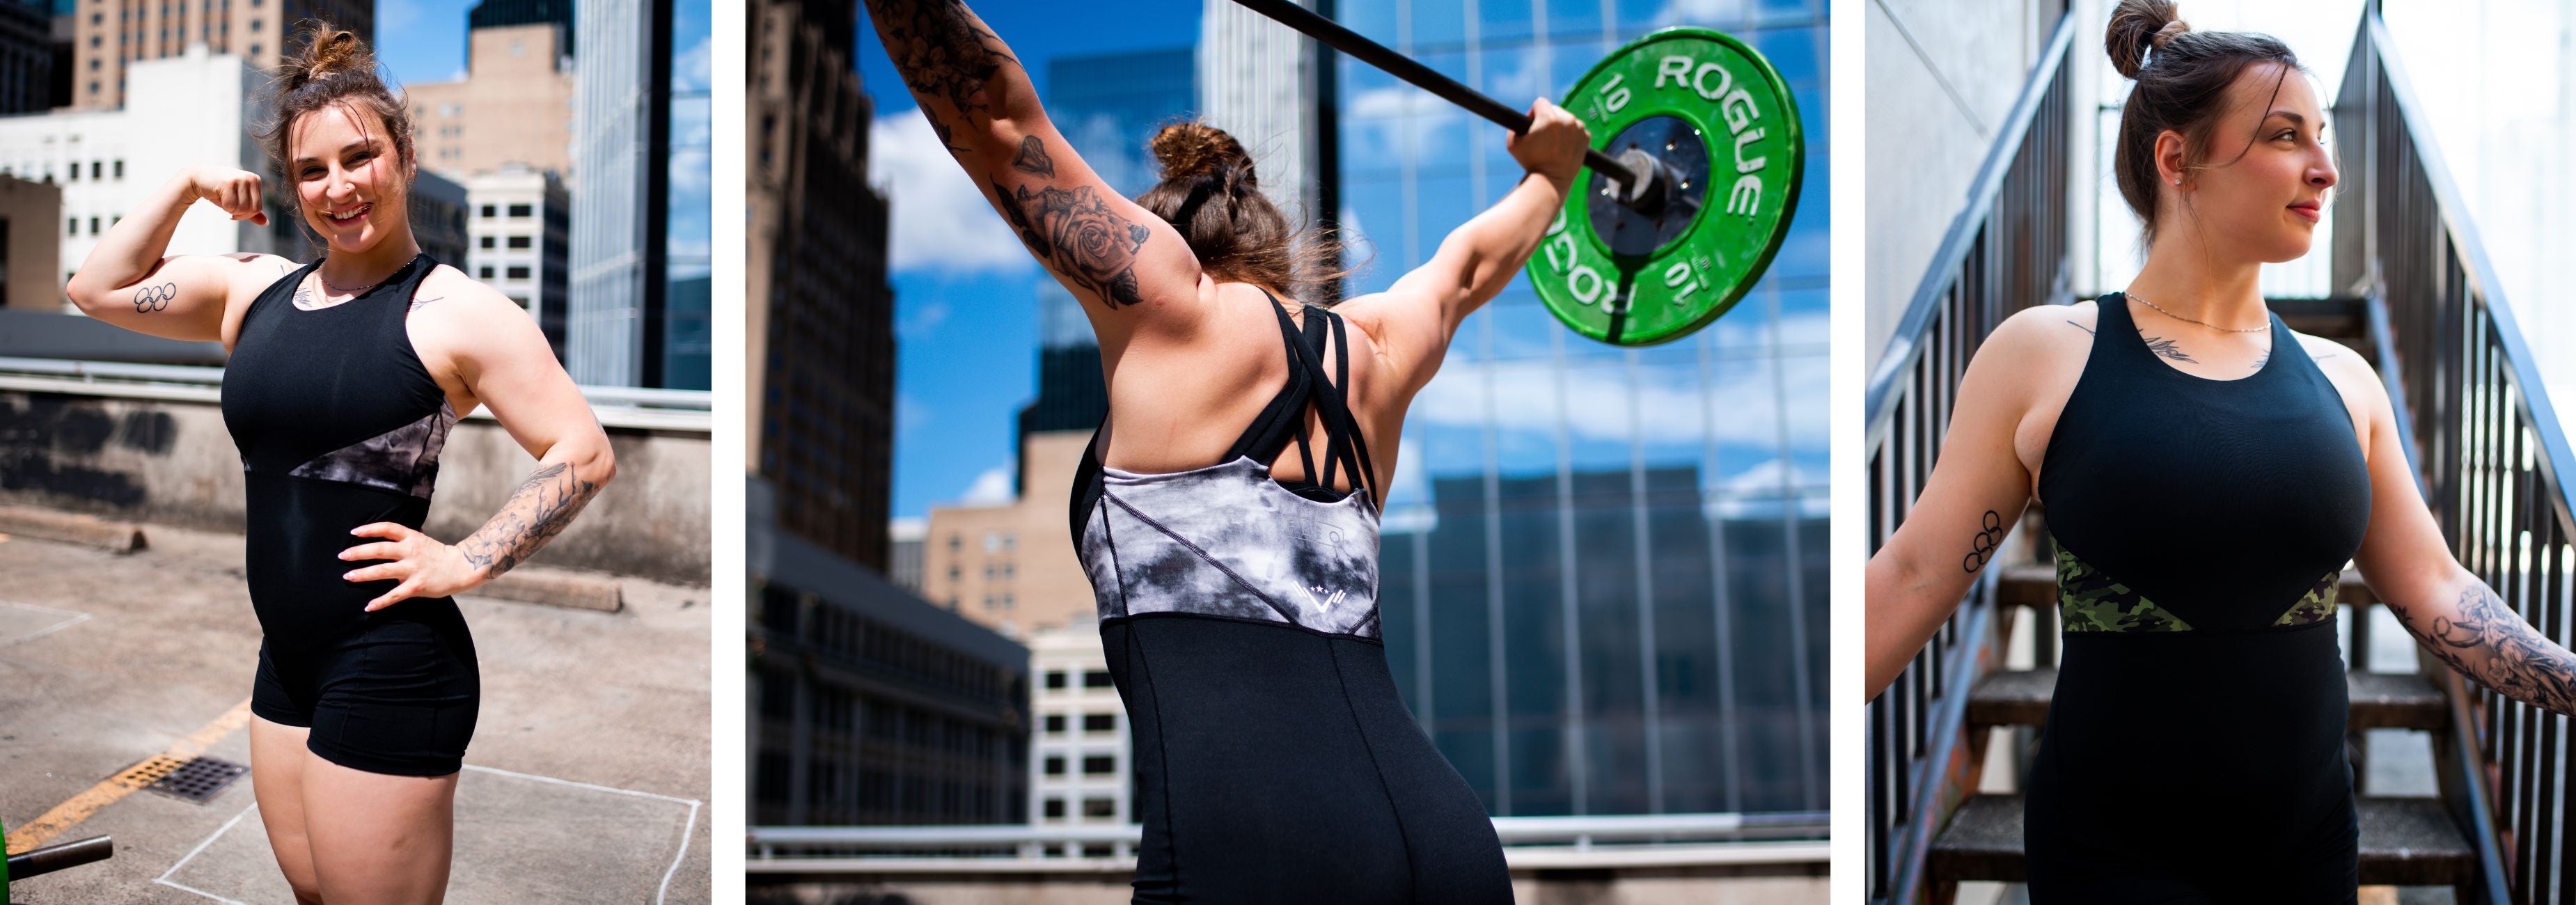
[(1079, 235)]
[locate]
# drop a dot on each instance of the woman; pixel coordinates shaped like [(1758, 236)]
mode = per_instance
[(345, 376), (1237, 581), (2207, 475)]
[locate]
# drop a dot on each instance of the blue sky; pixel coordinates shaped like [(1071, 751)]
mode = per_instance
[(432, 49), (965, 291)]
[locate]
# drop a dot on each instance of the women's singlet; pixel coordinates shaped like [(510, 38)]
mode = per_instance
[(2194, 750), (1274, 760), (340, 425)]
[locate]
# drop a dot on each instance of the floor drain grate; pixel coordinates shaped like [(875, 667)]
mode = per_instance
[(197, 779)]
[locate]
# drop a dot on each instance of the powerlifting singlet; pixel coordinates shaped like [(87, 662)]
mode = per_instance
[(2194, 750), (340, 425), (1274, 760)]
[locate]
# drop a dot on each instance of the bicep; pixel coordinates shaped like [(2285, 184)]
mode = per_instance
[(1123, 262), (507, 366), (2403, 556), (1974, 496), (183, 297)]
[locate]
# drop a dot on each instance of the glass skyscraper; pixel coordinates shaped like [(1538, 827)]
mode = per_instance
[(1603, 580)]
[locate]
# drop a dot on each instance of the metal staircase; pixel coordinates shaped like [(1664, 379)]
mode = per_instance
[(2425, 310)]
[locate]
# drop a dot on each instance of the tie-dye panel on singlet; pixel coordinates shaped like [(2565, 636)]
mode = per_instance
[(1228, 541)]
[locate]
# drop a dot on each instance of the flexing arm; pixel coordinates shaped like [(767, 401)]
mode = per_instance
[(2448, 610), (1976, 494), (125, 280), (499, 355), (1113, 255)]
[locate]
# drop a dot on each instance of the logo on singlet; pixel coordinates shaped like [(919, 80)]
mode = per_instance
[(1324, 604)]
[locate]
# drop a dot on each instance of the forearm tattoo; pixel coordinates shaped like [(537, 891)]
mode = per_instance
[(149, 298), (942, 53), (540, 509), (1988, 539), (2489, 642), (1078, 235)]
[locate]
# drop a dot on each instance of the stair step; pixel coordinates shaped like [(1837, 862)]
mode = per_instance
[(2035, 585), (2404, 842), (2379, 700)]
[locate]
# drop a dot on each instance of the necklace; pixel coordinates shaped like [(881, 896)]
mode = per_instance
[(343, 290), (2194, 319)]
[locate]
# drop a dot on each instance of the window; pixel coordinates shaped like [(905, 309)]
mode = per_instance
[(1055, 765), (254, 26), (523, 210), (71, 227), (1055, 722), (1099, 764), (489, 208), (118, 170), (1055, 808), (96, 167), (485, 272), (1099, 808), (518, 271), (521, 241), (93, 226), (487, 241), (75, 177), (1098, 678), (1055, 680), (1099, 722)]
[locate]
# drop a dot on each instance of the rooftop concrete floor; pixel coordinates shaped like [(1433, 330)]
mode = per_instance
[(585, 782)]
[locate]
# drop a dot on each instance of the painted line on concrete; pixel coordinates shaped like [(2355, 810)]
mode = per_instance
[(108, 791), (164, 878), (76, 618), (688, 831)]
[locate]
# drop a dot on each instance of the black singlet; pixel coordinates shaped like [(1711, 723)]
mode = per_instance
[(340, 425), (2194, 750), (1275, 761)]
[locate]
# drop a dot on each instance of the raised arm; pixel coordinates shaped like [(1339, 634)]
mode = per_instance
[(125, 280), (1976, 494), (2445, 606), (1130, 269), (1416, 316)]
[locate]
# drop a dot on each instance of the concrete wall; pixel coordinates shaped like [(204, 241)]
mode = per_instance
[(33, 213), (1942, 78), (172, 462)]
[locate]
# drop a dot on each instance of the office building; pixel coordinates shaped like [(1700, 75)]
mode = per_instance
[(108, 40), (820, 327), (514, 106), (521, 233), (615, 319), (1082, 769)]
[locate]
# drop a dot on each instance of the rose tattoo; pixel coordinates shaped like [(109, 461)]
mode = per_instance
[(1080, 236)]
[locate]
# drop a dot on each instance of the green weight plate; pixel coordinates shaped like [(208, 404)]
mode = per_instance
[(1723, 132)]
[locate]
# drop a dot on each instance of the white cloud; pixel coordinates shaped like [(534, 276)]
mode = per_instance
[(992, 488), (1757, 492), (907, 528), (1525, 395), (1399, 122), (941, 222), (695, 69), (395, 15), (922, 321), (1702, 12)]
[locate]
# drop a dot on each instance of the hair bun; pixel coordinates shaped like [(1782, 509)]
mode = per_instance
[(1191, 149), (2138, 26), (330, 52)]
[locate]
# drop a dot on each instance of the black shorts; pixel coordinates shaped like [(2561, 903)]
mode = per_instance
[(396, 695)]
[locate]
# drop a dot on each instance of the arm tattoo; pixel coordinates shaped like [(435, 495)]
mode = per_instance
[(1078, 235), (1033, 158), (540, 509), (941, 51), (2262, 359), (417, 301), (2166, 348), (1988, 539), (2088, 331), (2489, 642), (149, 298)]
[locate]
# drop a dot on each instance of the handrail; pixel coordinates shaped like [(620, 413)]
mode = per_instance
[(2005, 250), (2488, 450), (1905, 345)]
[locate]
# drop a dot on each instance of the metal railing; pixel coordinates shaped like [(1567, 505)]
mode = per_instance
[(2487, 444), (1529, 843), (629, 407), (2007, 250)]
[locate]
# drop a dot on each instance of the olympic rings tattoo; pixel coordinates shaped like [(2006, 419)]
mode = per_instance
[(1987, 540), (154, 298)]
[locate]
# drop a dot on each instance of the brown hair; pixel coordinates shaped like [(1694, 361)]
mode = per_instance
[(2181, 87), (1212, 196), (331, 67)]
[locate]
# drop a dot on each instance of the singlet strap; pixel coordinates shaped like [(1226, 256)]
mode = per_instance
[(1342, 433)]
